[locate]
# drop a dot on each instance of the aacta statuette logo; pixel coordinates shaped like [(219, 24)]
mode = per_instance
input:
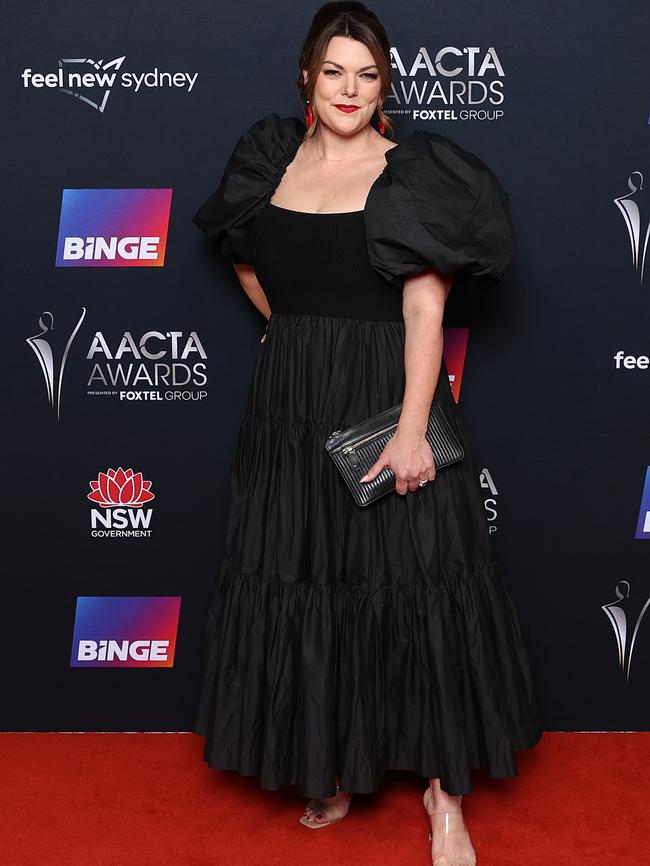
[(45, 348), (490, 504), (621, 614), (120, 495), (636, 213), (91, 81)]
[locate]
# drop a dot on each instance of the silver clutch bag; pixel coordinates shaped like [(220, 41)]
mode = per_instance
[(356, 449)]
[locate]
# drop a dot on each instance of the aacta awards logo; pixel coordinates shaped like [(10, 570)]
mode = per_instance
[(490, 503), (153, 367), (625, 616), (91, 81), (120, 495), (158, 366), (51, 349), (449, 83), (636, 215)]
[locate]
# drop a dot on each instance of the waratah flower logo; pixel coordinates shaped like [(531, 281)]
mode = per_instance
[(120, 487)]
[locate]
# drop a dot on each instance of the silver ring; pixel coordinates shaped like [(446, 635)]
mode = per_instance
[(422, 483)]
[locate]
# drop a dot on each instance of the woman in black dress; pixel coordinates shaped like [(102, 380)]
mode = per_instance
[(344, 641)]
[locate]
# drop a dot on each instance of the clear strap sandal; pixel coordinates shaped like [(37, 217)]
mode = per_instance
[(451, 826)]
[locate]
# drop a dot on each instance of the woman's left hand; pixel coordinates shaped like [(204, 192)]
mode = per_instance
[(410, 459)]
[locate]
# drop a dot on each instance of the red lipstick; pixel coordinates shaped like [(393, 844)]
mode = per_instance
[(347, 108)]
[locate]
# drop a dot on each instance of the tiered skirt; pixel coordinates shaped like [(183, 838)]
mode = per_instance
[(344, 640)]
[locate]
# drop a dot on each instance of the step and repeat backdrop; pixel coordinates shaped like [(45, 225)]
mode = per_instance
[(129, 343)]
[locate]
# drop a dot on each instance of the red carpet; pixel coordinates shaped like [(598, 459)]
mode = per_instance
[(149, 800)]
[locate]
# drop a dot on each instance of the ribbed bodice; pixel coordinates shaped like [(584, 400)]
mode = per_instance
[(318, 264)]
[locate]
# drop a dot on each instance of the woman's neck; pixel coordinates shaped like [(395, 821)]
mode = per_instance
[(331, 147)]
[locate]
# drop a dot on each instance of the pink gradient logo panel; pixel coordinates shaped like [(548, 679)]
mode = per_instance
[(101, 228), (125, 631), (454, 352), (643, 521)]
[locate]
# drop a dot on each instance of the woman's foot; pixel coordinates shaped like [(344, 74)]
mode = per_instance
[(450, 841), (329, 810)]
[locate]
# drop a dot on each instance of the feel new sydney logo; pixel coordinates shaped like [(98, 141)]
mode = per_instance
[(91, 81)]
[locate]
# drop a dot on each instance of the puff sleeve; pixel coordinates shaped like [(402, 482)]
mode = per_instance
[(438, 206), (230, 215)]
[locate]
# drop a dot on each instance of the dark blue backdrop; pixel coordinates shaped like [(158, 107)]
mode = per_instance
[(561, 431)]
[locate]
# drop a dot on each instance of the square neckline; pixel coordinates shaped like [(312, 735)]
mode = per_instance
[(315, 213), (330, 213)]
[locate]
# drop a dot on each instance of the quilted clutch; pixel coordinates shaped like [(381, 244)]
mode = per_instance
[(356, 449)]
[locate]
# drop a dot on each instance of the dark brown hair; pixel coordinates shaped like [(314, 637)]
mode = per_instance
[(344, 19)]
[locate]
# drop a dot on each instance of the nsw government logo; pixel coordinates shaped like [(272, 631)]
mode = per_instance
[(121, 495), (101, 228), (125, 632)]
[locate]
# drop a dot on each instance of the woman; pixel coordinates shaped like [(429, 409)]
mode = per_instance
[(345, 641)]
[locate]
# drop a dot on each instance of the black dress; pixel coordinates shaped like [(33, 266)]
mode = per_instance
[(340, 639)]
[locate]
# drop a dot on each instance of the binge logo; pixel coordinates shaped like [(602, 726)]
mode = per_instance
[(643, 523), (121, 495), (454, 351), (113, 228), (125, 632)]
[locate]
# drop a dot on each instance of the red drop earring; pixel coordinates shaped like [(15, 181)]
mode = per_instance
[(382, 125), (309, 115)]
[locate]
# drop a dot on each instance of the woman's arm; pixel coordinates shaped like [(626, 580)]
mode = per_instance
[(248, 280), (423, 306), (407, 452)]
